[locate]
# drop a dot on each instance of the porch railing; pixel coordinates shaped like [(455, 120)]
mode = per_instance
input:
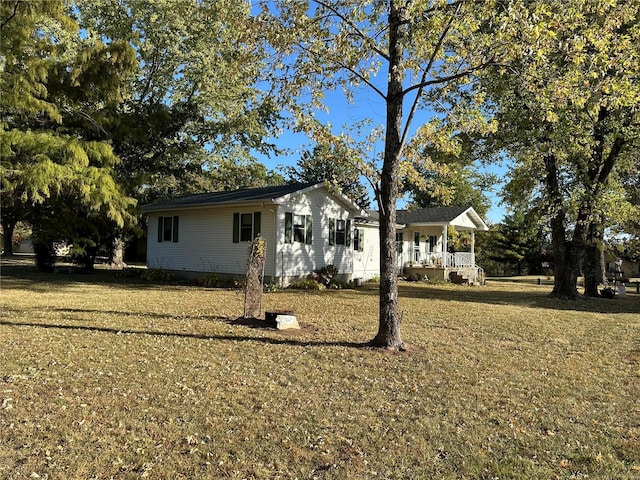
[(452, 260), (461, 259)]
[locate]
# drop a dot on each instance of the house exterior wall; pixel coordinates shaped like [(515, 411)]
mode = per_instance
[(205, 241), (629, 268), (464, 222), (366, 263), (298, 259)]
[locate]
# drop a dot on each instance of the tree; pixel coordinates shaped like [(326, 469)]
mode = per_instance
[(567, 105), (517, 245), (52, 176), (427, 50), (330, 163), (195, 110), (451, 179)]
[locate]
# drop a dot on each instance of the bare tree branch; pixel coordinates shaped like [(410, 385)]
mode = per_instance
[(10, 17), (425, 73)]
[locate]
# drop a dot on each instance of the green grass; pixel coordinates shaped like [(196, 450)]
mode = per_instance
[(105, 377)]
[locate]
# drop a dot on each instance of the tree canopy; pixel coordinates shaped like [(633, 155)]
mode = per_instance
[(54, 173), (194, 104), (567, 103)]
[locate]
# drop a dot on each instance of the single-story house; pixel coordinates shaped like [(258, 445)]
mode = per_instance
[(305, 226)]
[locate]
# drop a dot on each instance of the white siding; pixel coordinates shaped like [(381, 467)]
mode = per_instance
[(205, 242), (298, 259), (424, 254), (464, 222), (206, 239), (366, 264)]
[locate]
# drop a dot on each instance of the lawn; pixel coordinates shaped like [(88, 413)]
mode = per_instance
[(107, 377)]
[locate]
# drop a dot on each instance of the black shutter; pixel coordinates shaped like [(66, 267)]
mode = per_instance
[(332, 231), (309, 230), (236, 228), (175, 229), (257, 218), (288, 227), (348, 234), (160, 229)]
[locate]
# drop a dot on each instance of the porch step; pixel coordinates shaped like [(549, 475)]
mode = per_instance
[(467, 275)]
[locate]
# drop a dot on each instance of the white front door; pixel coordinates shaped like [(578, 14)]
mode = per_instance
[(416, 246)]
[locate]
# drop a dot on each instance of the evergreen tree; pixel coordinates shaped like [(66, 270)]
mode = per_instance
[(53, 174), (329, 163)]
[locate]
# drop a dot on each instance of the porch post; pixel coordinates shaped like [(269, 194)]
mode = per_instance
[(444, 246), (473, 248)]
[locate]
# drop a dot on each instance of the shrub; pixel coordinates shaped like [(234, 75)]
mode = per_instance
[(608, 292), (157, 275), (325, 274), (416, 277), (272, 287), (340, 285), (307, 284)]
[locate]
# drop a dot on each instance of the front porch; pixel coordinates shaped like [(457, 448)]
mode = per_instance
[(457, 267)]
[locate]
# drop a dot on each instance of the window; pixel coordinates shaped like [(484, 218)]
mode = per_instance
[(246, 226), (298, 228), (432, 241), (341, 226), (168, 229), (358, 239), (339, 232)]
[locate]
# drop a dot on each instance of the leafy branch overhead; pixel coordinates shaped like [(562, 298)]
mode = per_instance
[(420, 54)]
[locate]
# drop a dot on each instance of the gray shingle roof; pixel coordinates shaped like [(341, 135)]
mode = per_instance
[(430, 215), (423, 215), (214, 198)]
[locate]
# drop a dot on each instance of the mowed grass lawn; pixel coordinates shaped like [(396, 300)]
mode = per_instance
[(104, 377)]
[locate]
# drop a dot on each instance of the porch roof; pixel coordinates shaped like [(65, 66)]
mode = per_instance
[(462, 217)]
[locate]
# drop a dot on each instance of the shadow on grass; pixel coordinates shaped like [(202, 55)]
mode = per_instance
[(197, 336), (537, 297), (26, 276)]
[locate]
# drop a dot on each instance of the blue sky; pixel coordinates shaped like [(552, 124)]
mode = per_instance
[(366, 105)]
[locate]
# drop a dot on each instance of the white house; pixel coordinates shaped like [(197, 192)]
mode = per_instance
[(306, 227)]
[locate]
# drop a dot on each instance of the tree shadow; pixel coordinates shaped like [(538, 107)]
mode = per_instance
[(27, 276), (285, 340), (537, 297)]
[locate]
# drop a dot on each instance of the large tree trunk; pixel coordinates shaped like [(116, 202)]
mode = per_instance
[(594, 256), (565, 276), (388, 335), (600, 167), (8, 227)]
